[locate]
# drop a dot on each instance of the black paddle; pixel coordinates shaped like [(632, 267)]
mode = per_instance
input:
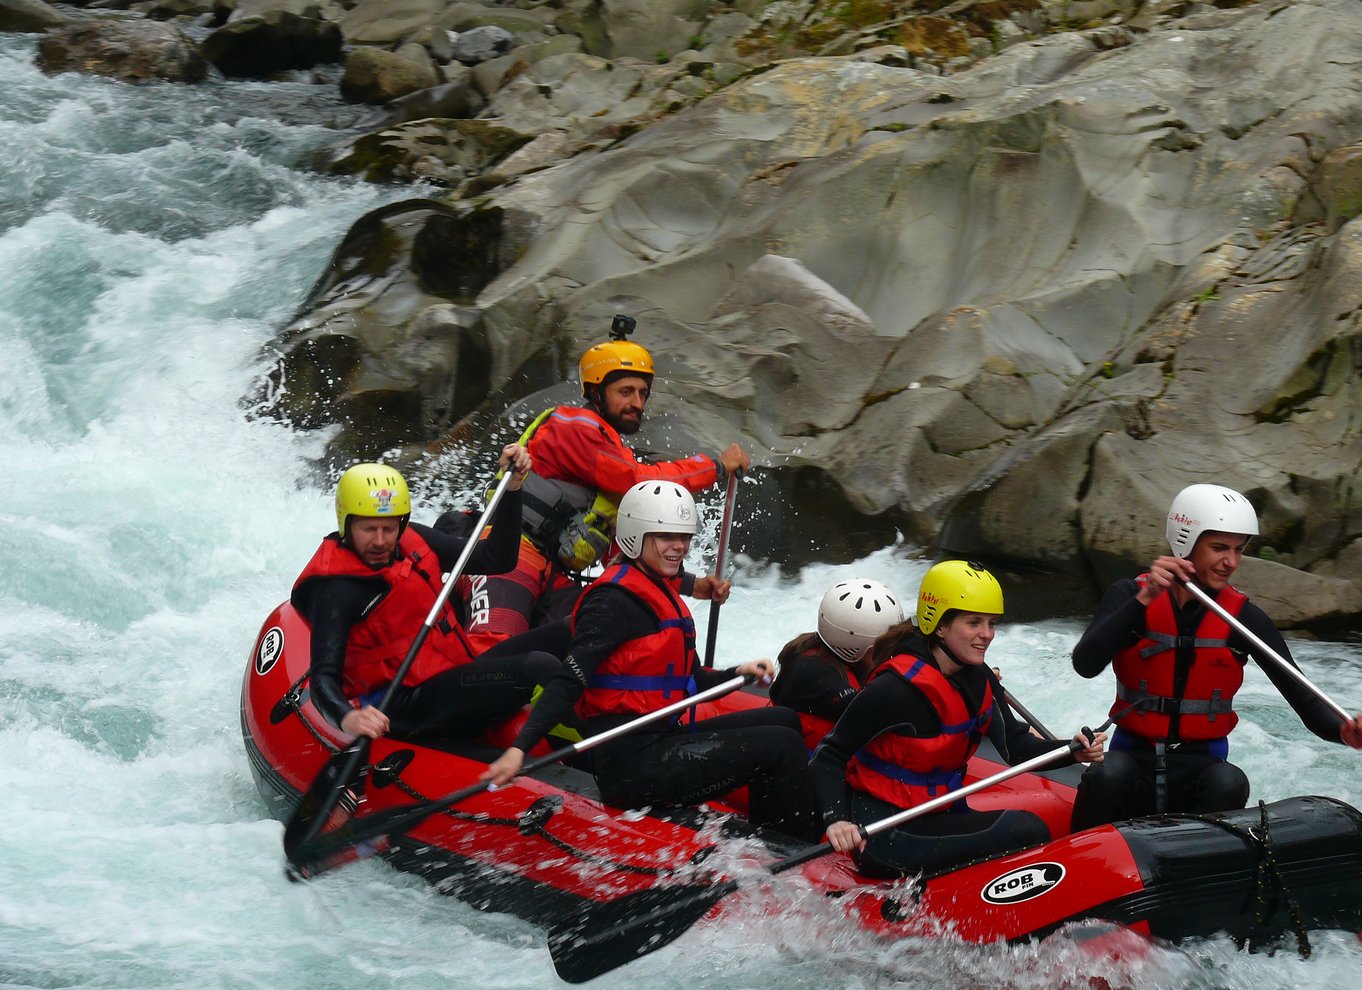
[(1030, 719), (360, 838), (601, 937), (725, 528), (335, 786)]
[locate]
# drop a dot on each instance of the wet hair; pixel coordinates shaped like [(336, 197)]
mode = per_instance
[(894, 641)]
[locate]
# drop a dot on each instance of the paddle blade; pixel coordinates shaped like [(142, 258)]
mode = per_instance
[(328, 804), (601, 937)]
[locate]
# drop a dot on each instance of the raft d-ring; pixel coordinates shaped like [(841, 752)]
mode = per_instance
[(1256, 835)]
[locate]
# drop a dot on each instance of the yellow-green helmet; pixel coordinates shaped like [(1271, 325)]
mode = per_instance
[(601, 360), (374, 490), (958, 585)]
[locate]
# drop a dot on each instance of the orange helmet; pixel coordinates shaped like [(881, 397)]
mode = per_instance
[(601, 360)]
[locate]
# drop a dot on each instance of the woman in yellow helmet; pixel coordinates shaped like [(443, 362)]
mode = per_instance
[(908, 734)]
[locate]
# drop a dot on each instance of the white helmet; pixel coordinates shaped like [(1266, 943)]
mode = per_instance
[(853, 614), (1199, 508), (653, 507)]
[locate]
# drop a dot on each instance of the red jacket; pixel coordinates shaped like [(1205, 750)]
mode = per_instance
[(643, 674), (577, 446), (380, 641), (1145, 673), (906, 771)]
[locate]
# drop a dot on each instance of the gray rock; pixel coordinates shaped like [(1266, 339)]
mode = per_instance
[(377, 76), (260, 46), (29, 16), (130, 51), (1011, 310), (481, 44)]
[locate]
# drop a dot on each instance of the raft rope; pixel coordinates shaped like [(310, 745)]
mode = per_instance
[(292, 700), (1267, 869)]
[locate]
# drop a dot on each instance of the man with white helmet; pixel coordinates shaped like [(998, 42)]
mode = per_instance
[(633, 651), (581, 468), (1178, 666), (820, 672)]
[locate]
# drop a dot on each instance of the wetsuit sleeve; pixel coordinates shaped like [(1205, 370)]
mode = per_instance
[(1118, 622), (812, 687), (606, 619), (585, 453), (497, 554), (886, 702), (1318, 717), (334, 607)]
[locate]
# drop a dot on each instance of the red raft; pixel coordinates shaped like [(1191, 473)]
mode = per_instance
[(545, 848)]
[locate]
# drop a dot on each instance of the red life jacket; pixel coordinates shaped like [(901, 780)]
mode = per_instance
[(405, 591), (1146, 669), (907, 770), (643, 674)]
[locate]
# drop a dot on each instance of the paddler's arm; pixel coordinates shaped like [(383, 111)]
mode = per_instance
[(1318, 717), (1119, 617), (334, 606), (884, 703)]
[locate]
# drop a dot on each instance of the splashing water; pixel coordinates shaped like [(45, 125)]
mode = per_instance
[(151, 240)]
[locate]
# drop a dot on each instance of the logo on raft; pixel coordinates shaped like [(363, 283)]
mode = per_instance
[(270, 650), (1023, 884)]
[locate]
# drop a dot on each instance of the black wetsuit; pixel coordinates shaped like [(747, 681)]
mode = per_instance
[(941, 840), (814, 682), (457, 703), (680, 763), (1197, 778)]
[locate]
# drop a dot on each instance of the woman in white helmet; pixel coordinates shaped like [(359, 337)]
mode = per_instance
[(633, 651), (820, 672), (1178, 666), (908, 735)]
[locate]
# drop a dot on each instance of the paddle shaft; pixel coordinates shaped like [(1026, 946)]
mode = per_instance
[(359, 750), (1030, 719), (1267, 651), (720, 557), (400, 819), (937, 803)]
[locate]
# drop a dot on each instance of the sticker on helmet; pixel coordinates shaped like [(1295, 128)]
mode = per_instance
[(270, 650), (1023, 883), (383, 500)]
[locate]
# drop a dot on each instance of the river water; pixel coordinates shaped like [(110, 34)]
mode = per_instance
[(151, 240)]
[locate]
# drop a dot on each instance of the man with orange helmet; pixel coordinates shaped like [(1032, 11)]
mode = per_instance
[(581, 469)]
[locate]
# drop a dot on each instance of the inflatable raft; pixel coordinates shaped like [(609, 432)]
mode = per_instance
[(612, 884)]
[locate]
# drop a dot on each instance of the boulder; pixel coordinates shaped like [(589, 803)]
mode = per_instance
[(29, 16), (260, 46), (377, 76), (130, 51)]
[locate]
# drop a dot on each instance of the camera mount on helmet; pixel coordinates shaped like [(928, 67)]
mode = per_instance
[(622, 326)]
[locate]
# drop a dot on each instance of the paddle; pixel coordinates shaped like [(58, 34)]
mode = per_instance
[(600, 937), (372, 834), (1267, 651), (1030, 719), (725, 528), (341, 774)]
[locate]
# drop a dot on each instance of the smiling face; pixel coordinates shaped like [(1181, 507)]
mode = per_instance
[(374, 539), (622, 402), (967, 635), (663, 553), (1216, 557)]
